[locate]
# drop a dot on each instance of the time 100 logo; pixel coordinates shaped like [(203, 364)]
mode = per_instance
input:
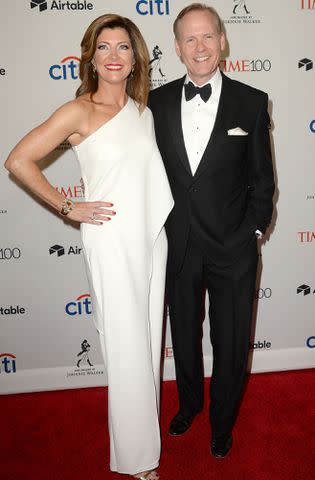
[(151, 7), (8, 253)]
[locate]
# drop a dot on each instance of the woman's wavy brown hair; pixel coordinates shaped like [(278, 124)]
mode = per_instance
[(138, 82)]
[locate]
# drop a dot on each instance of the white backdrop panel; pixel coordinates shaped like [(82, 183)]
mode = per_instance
[(45, 310)]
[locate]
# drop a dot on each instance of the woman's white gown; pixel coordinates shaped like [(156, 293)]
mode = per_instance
[(126, 262)]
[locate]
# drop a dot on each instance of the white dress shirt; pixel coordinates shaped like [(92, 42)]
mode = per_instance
[(198, 119)]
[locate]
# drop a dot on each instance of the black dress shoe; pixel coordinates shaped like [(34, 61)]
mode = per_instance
[(180, 424), (221, 445)]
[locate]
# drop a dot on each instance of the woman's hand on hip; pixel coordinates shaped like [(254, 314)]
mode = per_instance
[(94, 213)]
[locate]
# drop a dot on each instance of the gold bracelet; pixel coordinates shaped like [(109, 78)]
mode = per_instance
[(66, 206)]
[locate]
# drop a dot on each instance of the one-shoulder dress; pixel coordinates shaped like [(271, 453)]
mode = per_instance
[(126, 262)]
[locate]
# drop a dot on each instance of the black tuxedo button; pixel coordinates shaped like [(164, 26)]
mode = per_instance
[(193, 190)]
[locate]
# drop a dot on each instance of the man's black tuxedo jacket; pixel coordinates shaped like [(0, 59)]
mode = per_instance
[(230, 195)]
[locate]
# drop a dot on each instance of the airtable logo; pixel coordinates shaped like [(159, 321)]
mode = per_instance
[(306, 64), (41, 4), (82, 305), (7, 363), (67, 69), (57, 249), (260, 345), (60, 250), (12, 310), (62, 6), (305, 289)]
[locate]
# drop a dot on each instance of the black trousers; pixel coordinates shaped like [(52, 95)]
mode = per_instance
[(231, 292)]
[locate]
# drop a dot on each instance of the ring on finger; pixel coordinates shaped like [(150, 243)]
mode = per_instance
[(93, 216)]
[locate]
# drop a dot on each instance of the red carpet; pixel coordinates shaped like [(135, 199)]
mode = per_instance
[(63, 435)]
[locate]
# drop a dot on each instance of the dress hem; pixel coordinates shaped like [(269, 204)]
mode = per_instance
[(138, 470)]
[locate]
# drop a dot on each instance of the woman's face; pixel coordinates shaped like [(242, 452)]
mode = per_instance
[(113, 57)]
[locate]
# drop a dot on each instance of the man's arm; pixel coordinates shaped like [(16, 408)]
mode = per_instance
[(261, 176)]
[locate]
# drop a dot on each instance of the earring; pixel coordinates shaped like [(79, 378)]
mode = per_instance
[(132, 71), (94, 72)]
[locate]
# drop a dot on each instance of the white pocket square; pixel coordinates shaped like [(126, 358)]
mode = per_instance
[(237, 131)]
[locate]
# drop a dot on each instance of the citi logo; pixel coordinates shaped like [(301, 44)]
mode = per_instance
[(42, 5), (67, 69), (152, 7), (16, 310), (310, 342), (312, 126), (306, 64), (241, 66), (307, 4), (306, 237), (304, 289), (7, 363), (82, 305), (59, 250)]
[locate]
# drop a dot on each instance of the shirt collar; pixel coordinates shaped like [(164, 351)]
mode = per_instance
[(215, 81)]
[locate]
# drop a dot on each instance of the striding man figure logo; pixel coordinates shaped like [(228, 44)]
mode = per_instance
[(240, 4), (84, 354)]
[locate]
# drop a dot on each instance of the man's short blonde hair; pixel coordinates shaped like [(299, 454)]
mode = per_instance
[(202, 7)]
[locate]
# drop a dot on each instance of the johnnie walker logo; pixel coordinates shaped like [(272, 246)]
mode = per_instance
[(156, 69), (242, 12)]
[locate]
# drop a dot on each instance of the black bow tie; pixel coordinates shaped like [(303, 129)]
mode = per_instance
[(191, 91)]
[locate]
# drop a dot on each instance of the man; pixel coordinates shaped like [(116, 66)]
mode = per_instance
[(213, 136)]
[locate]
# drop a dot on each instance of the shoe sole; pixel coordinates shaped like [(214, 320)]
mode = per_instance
[(178, 434), (220, 457)]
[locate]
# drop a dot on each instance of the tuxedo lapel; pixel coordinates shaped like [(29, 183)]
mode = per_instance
[(226, 111), (175, 122)]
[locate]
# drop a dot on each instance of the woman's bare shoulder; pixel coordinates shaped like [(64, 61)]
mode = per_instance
[(75, 109)]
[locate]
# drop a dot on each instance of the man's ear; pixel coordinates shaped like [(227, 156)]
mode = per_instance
[(177, 48), (222, 41)]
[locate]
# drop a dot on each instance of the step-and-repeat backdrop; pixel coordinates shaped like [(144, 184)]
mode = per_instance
[(47, 337)]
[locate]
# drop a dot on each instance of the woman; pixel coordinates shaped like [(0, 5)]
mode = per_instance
[(111, 132)]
